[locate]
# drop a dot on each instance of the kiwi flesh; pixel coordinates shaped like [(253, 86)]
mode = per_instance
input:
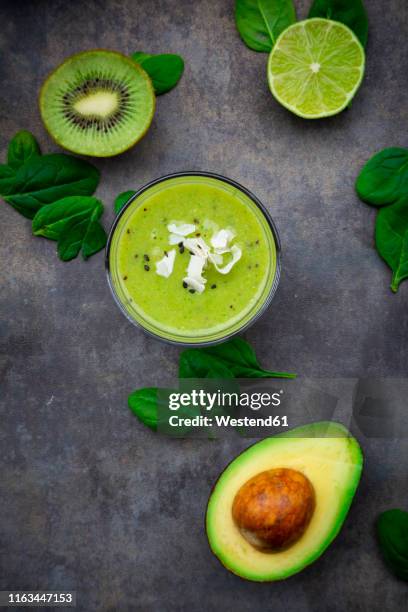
[(97, 103)]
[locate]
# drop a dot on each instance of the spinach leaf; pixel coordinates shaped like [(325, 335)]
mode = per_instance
[(139, 57), (6, 172), (165, 69), (392, 534), (22, 148), (350, 12), (74, 223), (232, 359), (95, 237), (43, 180), (384, 178), (51, 219), (151, 410), (260, 22), (143, 403), (240, 358), (121, 200), (194, 363), (391, 239), (87, 234)]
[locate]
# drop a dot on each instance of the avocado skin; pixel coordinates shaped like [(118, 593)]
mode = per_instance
[(321, 429)]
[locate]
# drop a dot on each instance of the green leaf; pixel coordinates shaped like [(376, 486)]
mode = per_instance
[(46, 179), (51, 219), (350, 12), (194, 363), (22, 148), (139, 57), (154, 412), (165, 70), (143, 404), (392, 534), (232, 359), (384, 178), (95, 238), (260, 22), (6, 172), (74, 223), (391, 239), (121, 200), (240, 358), (70, 240)]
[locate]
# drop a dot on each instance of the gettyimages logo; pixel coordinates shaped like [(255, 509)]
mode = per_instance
[(254, 408), (219, 409), (208, 400)]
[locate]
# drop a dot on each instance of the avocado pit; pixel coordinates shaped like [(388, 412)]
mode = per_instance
[(273, 509)]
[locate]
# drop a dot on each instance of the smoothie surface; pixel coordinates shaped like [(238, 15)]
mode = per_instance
[(142, 238)]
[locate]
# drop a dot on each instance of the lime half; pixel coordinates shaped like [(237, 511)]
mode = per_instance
[(316, 67)]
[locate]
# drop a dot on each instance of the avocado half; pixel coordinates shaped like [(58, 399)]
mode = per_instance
[(329, 457)]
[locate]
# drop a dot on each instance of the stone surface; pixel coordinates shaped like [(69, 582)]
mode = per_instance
[(93, 501)]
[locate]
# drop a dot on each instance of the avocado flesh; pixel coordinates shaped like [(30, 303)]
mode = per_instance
[(331, 459)]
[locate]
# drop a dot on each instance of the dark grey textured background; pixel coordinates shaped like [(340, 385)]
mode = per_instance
[(92, 501)]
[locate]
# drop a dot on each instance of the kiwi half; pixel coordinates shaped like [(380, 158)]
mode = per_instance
[(97, 103)]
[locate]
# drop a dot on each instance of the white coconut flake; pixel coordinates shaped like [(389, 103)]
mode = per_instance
[(194, 278), (195, 268), (193, 283), (176, 239), (216, 258), (221, 239), (164, 267), (197, 246), (201, 253), (236, 256), (181, 229)]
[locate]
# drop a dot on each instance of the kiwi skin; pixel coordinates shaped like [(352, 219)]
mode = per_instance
[(130, 61)]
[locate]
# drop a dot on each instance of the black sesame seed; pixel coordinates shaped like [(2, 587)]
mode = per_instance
[(213, 286), (185, 285), (192, 290), (147, 268), (196, 221), (136, 255), (145, 209), (181, 249), (125, 278), (166, 253), (146, 257), (128, 231), (256, 241), (198, 234), (180, 244)]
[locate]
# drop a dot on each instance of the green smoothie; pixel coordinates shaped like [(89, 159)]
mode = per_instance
[(174, 307)]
